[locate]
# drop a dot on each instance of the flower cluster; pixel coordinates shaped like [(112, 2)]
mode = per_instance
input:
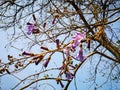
[(77, 38), (36, 58), (31, 29), (76, 41), (67, 69)]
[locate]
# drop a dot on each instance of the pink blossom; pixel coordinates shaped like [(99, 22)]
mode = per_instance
[(80, 56), (77, 39), (30, 28)]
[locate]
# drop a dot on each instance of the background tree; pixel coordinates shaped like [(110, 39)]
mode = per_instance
[(55, 39)]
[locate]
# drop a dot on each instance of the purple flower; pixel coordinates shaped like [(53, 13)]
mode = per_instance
[(79, 36), (75, 44), (71, 46), (30, 28), (69, 75), (77, 39), (67, 51), (80, 56)]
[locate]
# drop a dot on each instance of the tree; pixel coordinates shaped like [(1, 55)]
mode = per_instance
[(58, 38)]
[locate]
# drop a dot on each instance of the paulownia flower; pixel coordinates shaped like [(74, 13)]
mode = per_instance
[(77, 39), (67, 51), (80, 56), (69, 75), (30, 28), (65, 70)]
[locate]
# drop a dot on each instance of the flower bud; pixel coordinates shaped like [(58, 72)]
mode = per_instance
[(88, 44), (26, 53), (44, 25), (46, 63), (34, 18), (53, 22), (57, 43), (45, 48)]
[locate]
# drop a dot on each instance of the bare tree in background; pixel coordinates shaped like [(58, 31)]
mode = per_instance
[(77, 31)]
